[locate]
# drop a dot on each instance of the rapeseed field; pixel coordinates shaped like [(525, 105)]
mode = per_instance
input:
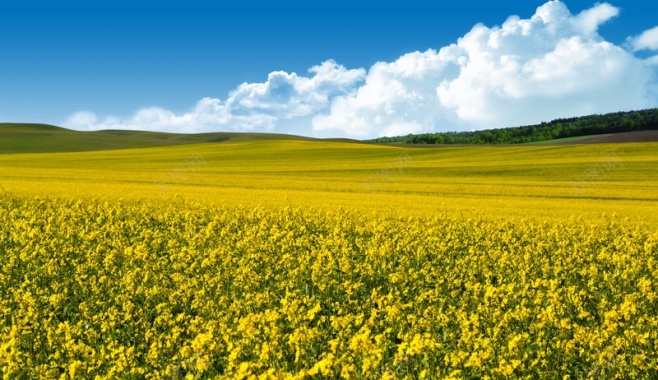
[(522, 182), (301, 259)]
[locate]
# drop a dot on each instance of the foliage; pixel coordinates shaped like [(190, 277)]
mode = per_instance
[(95, 289), (556, 129)]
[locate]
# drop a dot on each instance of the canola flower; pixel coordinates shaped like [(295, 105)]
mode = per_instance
[(105, 290)]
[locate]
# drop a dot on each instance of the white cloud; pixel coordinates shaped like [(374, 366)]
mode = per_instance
[(82, 120), (250, 107), (396, 98), (288, 96), (648, 40), (589, 20), (208, 114), (553, 64), (526, 71)]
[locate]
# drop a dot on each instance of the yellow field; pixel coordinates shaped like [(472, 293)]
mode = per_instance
[(527, 182), (300, 259)]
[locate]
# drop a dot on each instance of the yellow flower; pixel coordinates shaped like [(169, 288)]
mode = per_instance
[(323, 366)]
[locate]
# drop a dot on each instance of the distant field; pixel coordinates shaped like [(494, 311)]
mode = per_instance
[(542, 181), (575, 139), (637, 136)]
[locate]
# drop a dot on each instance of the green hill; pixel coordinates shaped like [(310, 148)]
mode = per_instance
[(42, 138)]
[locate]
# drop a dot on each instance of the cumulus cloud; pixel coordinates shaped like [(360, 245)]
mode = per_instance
[(82, 120), (287, 96), (396, 98), (250, 107), (589, 20), (208, 114), (553, 64), (648, 40)]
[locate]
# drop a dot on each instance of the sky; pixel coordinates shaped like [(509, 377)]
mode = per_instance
[(357, 69)]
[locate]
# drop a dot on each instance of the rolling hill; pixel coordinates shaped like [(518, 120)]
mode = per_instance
[(43, 138), (634, 126)]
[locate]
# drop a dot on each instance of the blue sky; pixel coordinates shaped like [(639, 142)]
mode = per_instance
[(323, 68)]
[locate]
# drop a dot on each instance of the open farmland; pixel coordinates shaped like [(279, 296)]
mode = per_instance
[(532, 182), (289, 258)]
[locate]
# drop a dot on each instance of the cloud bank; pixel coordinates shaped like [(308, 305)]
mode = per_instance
[(554, 64), (250, 107)]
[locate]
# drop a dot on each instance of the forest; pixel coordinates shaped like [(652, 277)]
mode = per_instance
[(559, 128)]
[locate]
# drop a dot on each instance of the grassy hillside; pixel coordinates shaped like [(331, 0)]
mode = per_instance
[(37, 138), (540, 181)]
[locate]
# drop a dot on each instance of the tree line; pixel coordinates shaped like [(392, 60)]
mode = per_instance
[(559, 128)]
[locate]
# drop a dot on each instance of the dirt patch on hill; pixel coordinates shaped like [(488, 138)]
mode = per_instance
[(639, 136)]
